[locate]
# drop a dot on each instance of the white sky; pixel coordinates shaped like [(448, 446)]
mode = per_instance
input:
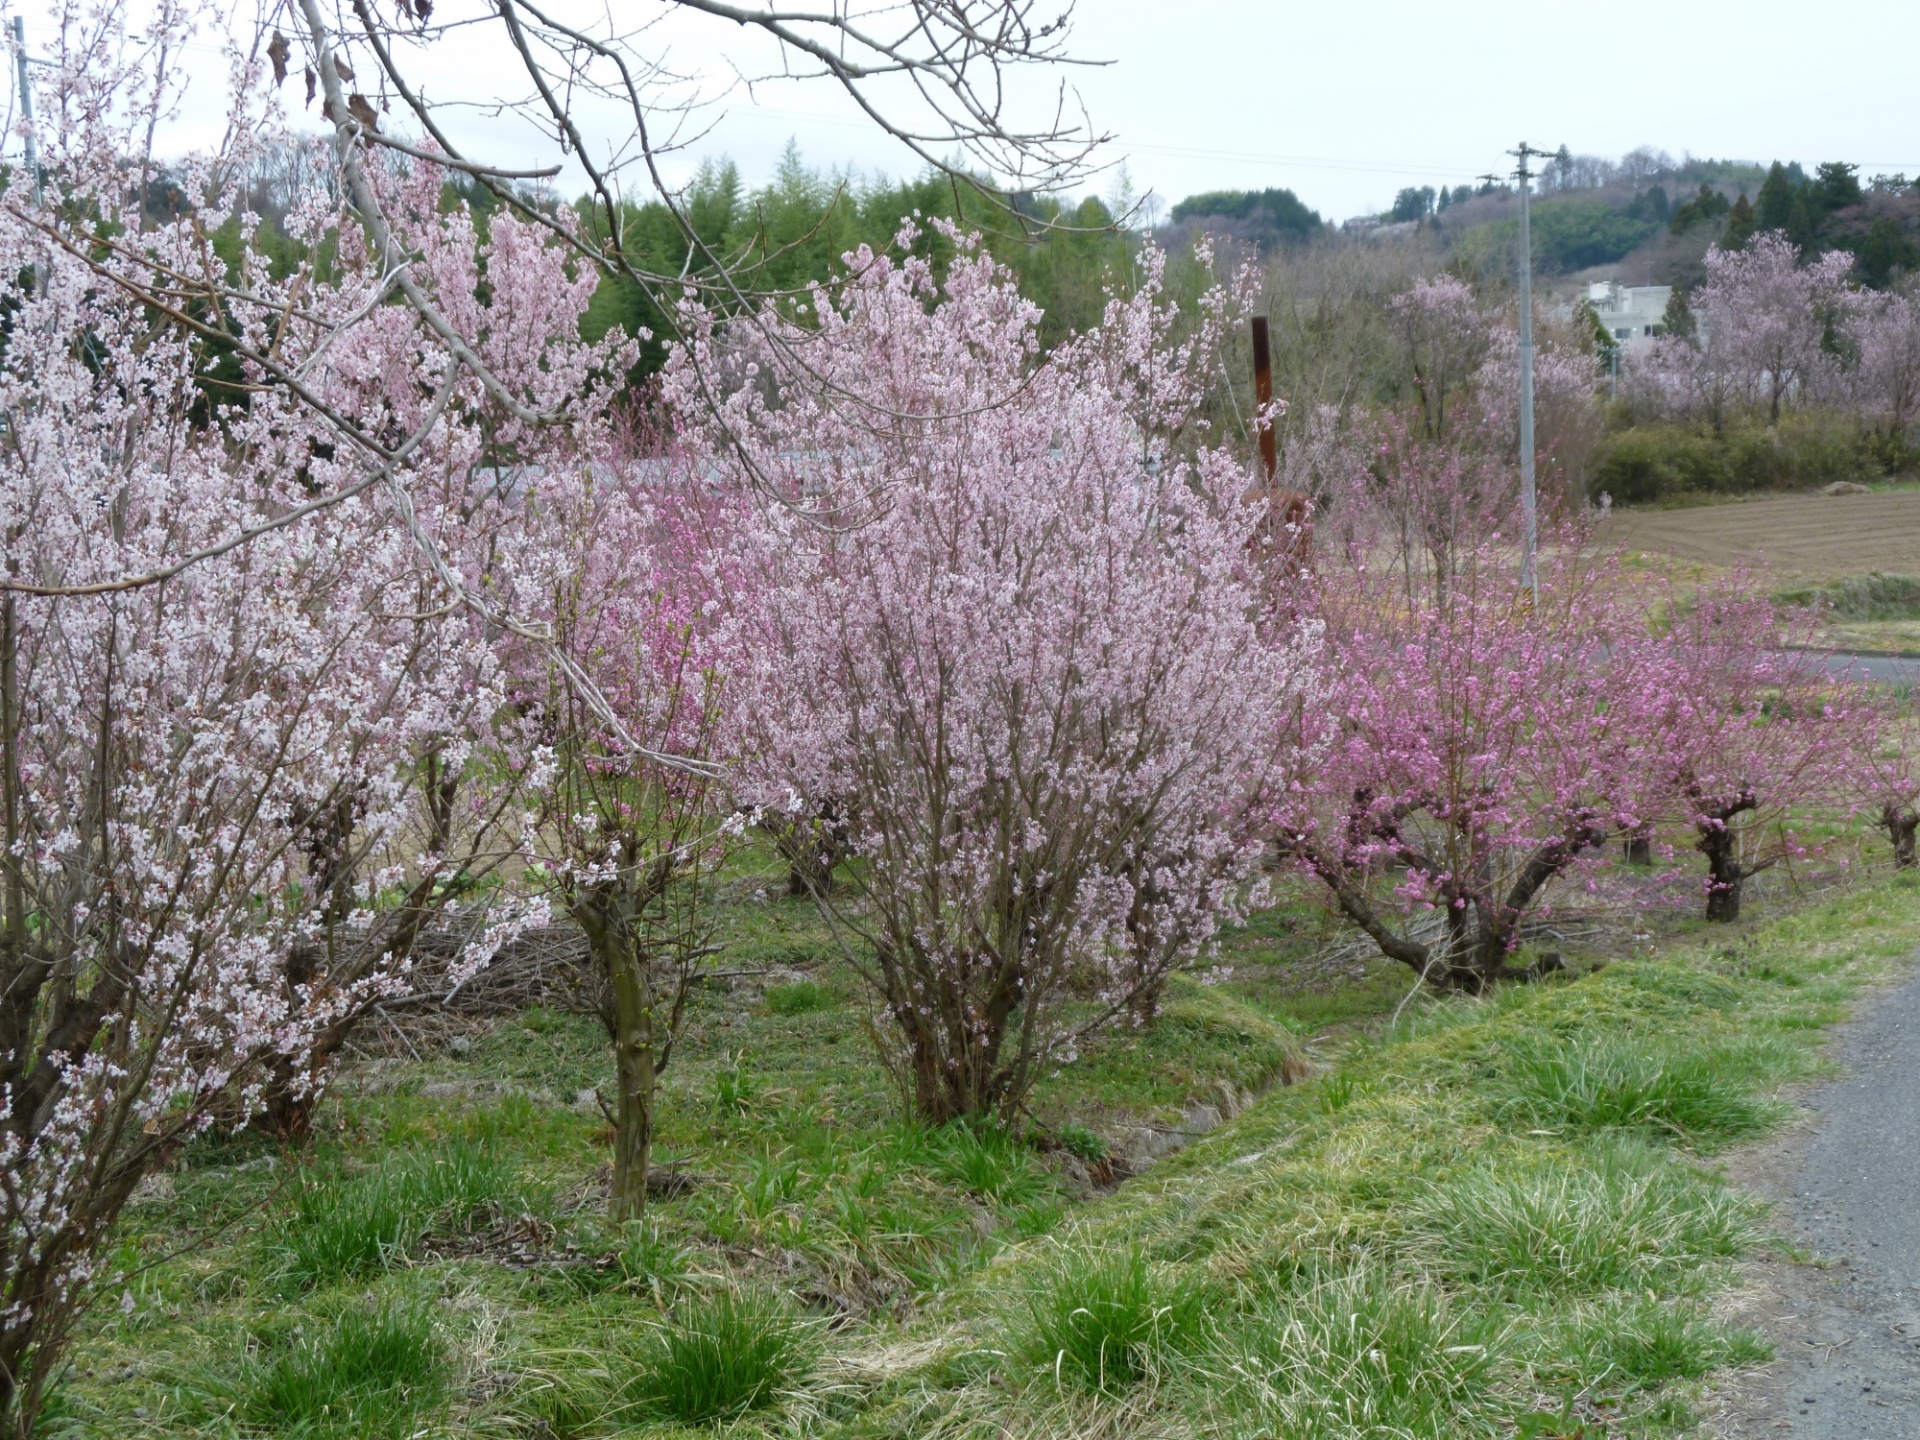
[(1345, 101)]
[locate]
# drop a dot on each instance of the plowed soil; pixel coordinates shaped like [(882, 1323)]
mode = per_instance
[(1812, 537)]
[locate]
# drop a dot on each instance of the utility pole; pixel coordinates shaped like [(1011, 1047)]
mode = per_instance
[(26, 100), (1529, 571)]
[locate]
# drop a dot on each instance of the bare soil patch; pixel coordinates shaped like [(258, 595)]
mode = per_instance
[(1815, 537)]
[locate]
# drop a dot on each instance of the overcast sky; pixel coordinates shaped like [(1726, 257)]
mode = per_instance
[(1343, 101)]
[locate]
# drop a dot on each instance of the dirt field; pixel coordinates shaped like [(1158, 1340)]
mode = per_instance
[(1813, 537)]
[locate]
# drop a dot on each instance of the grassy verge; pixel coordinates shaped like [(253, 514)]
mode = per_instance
[(1491, 1211), (1504, 1216)]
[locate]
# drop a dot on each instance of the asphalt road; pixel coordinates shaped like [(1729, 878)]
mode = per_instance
[(1883, 669), (1845, 1322)]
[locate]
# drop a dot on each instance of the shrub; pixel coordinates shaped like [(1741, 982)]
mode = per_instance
[(369, 1372), (721, 1356), (1104, 1321), (1861, 597), (1807, 449)]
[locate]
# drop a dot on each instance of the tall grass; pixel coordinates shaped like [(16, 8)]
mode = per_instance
[(720, 1356), (989, 1163), (1699, 1094), (1350, 1355), (369, 1372), (1647, 1342), (1103, 1320), (1616, 1217), (346, 1227)]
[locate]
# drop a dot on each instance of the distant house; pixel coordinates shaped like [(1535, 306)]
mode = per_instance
[(1633, 314)]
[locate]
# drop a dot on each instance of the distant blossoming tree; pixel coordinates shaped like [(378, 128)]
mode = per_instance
[(1749, 734)]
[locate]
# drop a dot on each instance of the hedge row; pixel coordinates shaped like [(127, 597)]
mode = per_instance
[(1646, 463)]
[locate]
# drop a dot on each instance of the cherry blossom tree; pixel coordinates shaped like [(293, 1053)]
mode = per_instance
[(246, 673), (208, 780), (1750, 734), (1886, 330), (946, 80), (1445, 335), (1033, 681), (1472, 753), (1776, 317), (615, 563)]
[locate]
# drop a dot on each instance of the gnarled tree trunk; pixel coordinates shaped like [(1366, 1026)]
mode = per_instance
[(1900, 823)]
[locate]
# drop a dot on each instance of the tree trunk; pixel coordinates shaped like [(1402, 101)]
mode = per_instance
[(631, 1016), (1724, 875), (1637, 847), (286, 1110), (1901, 823), (635, 1076)]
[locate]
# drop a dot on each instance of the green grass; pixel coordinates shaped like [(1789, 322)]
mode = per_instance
[(1359, 1354), (370, 1371), (1638, 1344), (800, 998), (1613, 1081), (1612, 1218), (1466, 1217), (348, 1226), (1104, 1320), (720, 1356)]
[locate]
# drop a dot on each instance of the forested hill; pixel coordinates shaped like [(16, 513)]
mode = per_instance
[(1652, 219)]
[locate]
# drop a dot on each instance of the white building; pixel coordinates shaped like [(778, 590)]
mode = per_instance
[(1633, 314)]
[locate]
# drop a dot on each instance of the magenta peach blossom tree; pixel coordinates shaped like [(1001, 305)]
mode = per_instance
[(1752, 735), (1471, 755), (1033, 682)]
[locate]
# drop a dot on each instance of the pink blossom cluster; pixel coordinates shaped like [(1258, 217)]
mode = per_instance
[(1004, 630), (1770, 332)]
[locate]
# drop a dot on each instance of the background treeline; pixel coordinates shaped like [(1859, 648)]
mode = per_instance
[(1653, 218), (793, 231), (1341, 355)]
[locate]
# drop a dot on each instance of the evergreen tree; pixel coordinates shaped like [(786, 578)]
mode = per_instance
[(1775, 208), (1886, 253), (1678, 319), (1740, 225), (1835, 186)]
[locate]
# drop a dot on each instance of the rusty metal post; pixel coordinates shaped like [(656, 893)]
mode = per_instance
[(1263, 395)]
